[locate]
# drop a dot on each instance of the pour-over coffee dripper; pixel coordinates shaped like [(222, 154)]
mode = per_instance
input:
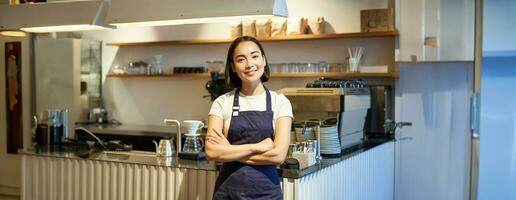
[(191, 126), (194, 144)]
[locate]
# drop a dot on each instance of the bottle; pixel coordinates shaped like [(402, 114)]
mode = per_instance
[(158, 68)]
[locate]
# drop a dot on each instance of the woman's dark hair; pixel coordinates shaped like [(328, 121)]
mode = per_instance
[(232, 79)]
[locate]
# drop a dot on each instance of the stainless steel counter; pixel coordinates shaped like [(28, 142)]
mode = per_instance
[(131, 157), (134, 130), (149, 158), (130, 129), (72, 173)]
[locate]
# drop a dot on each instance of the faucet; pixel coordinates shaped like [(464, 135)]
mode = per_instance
[(102, 143), (178, 137)]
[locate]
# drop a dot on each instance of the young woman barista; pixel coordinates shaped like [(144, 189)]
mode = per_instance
[(249, 128)]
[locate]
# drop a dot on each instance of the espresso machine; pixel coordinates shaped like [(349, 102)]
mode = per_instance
[(347, 103)]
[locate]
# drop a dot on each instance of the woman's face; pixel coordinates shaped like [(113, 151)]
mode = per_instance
[(248, 62)]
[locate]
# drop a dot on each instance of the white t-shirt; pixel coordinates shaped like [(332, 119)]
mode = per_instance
[(223, 106)]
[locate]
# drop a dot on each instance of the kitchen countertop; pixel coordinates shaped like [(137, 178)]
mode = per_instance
[(132, 129), (149, 158), (131, 157), (327, 162)]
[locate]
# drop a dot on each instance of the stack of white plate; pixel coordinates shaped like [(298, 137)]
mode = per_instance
[(330, 143)]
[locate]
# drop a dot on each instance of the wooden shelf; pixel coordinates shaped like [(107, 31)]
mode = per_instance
[(334, 75), (189, 75), (279, 75), (272, 39)]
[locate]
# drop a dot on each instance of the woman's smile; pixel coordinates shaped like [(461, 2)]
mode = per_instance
[(250, 72)]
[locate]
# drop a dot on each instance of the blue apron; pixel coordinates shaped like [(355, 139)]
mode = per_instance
[(242, 181)]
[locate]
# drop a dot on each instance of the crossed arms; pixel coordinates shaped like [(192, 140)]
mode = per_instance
[(265, 152)]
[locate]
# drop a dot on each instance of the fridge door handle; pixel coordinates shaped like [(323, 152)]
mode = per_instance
[(475, 115), (475, 144), (392, 125), (402, 124)]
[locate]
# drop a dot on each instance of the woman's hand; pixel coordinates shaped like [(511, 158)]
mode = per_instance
[(278, 153), (263, 146), (218, 147)]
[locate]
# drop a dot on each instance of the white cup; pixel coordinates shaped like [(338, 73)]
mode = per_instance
[(192, 126)]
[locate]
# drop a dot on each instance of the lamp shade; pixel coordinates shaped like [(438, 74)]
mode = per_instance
[(173, 12), (55, 16)]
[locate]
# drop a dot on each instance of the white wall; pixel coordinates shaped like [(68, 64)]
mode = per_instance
[(10, 163), (149, 100)]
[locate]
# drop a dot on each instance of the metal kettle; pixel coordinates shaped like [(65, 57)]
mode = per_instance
[(165, 147)]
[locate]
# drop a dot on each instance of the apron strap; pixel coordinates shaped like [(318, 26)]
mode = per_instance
[(269, 107), (236, 105)]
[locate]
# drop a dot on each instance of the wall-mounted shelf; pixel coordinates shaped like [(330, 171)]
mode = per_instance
[(272, 39), (279, 75), (335, 75), (189, 75)]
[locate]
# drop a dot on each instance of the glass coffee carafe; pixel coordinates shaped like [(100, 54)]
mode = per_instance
[(193, 143)]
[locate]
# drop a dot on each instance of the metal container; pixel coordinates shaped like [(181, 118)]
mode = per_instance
[(314, 146), (309, 146), (52, 127), (291, 149)]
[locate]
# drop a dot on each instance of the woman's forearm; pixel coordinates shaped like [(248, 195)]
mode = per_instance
[(271, 157), (228, 153), (218, 147)]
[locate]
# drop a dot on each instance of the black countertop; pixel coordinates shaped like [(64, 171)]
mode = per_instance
[(130, 157), (149, 158), (130, 129), (327, 162)]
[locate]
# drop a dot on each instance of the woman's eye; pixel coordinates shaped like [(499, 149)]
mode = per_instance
[(256, 56), (240, 60)]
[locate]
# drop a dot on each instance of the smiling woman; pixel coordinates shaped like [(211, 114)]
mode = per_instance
[(244, 54), (248, 129)]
